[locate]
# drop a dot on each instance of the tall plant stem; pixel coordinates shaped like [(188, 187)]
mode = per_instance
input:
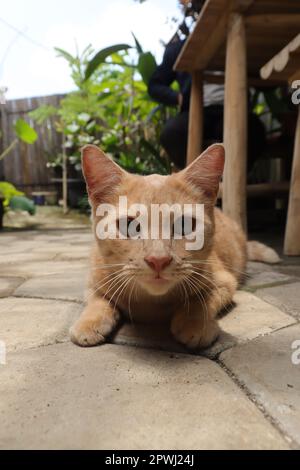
[(9, 148), (65, 178)]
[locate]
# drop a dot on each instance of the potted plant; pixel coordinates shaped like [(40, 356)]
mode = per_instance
[(25, 133)]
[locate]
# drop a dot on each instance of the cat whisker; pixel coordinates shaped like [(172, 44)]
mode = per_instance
[(99, 285), (186, 296), (122, 289), (116, 285), (212, 263), (194, 287), (129, 300)]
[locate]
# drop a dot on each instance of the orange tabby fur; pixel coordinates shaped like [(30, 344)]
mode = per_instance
[(198, 283)]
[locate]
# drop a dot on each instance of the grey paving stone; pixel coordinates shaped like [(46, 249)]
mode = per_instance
[(256, 268), (26, 323), (285, 297), (117, 397), (265, 367), (58, 247), (250, 318), (266, 278), (8, 285), (293, 270), (68, 286), (71, 253), (40, 268), (148, 336), (24, 257)]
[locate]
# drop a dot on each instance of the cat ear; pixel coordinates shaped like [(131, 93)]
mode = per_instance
[(101, 174), (206, 171)]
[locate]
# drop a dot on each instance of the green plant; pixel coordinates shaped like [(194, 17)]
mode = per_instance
[(24, 132), (110, 107), (271, 105)]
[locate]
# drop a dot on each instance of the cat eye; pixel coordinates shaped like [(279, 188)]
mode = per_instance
[(123, 226), (184, 225)]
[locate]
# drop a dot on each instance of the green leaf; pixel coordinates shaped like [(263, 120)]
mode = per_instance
[(101, 56), (137, 44), (153, 111), (66, 55), (25, 132), (259, 109), (146, 66), (44, 112)]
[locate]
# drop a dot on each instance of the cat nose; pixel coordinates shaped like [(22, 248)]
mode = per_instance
[(158, 263)]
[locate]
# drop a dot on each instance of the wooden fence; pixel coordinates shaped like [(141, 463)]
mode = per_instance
[(26, 165)]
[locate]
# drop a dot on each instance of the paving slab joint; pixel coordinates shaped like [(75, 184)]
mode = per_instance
[(242, 386)]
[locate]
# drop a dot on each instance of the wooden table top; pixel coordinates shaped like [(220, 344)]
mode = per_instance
[(285, 65), (270, 25)]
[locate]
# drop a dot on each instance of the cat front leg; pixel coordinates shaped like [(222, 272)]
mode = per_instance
[(96, 323), (194, 329), (197, 327)]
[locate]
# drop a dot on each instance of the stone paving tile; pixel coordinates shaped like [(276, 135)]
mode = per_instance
[(7, 238), (58, 247), (41, 268), (250, 318), (293, 271), (67, 286), (65, 236), (267, 278), (254, 267), (285, 297), (28, 256), (74, 254), (265, 367), (147, 336), (9, 284), (27, 323), (117, 397), (260, 274)]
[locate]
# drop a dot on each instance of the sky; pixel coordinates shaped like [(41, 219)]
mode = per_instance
[(31, 68)]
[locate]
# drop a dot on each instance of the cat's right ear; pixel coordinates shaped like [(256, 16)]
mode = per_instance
[(102, 175)]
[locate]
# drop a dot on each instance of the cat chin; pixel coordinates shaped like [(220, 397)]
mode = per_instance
[(157, 287)]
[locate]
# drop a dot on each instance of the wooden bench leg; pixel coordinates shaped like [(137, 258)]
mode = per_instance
[(292, 232), (195, 138), (235, 122)]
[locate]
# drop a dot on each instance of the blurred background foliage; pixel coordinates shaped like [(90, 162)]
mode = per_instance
[(110, 106)]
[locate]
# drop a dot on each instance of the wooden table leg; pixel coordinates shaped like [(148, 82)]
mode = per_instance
[(292, 231), (195, 138), (235, 122)]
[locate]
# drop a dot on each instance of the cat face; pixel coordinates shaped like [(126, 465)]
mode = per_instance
[(156, 264)]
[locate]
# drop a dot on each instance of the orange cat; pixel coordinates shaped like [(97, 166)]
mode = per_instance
[(150, 280)]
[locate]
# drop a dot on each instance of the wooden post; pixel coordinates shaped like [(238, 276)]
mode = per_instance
[(195, 138), (65, 177), (235, 122), (292, 231)]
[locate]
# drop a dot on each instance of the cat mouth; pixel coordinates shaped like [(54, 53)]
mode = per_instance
[(158, 280)]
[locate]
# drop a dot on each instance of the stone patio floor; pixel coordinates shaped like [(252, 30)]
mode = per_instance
[(142, 390)]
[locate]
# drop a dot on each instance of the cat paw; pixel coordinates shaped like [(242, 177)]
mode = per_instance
[(192, 333), (86, 334), (92, 332)]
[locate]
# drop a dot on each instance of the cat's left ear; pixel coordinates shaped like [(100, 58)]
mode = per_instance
[(206, 171)]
